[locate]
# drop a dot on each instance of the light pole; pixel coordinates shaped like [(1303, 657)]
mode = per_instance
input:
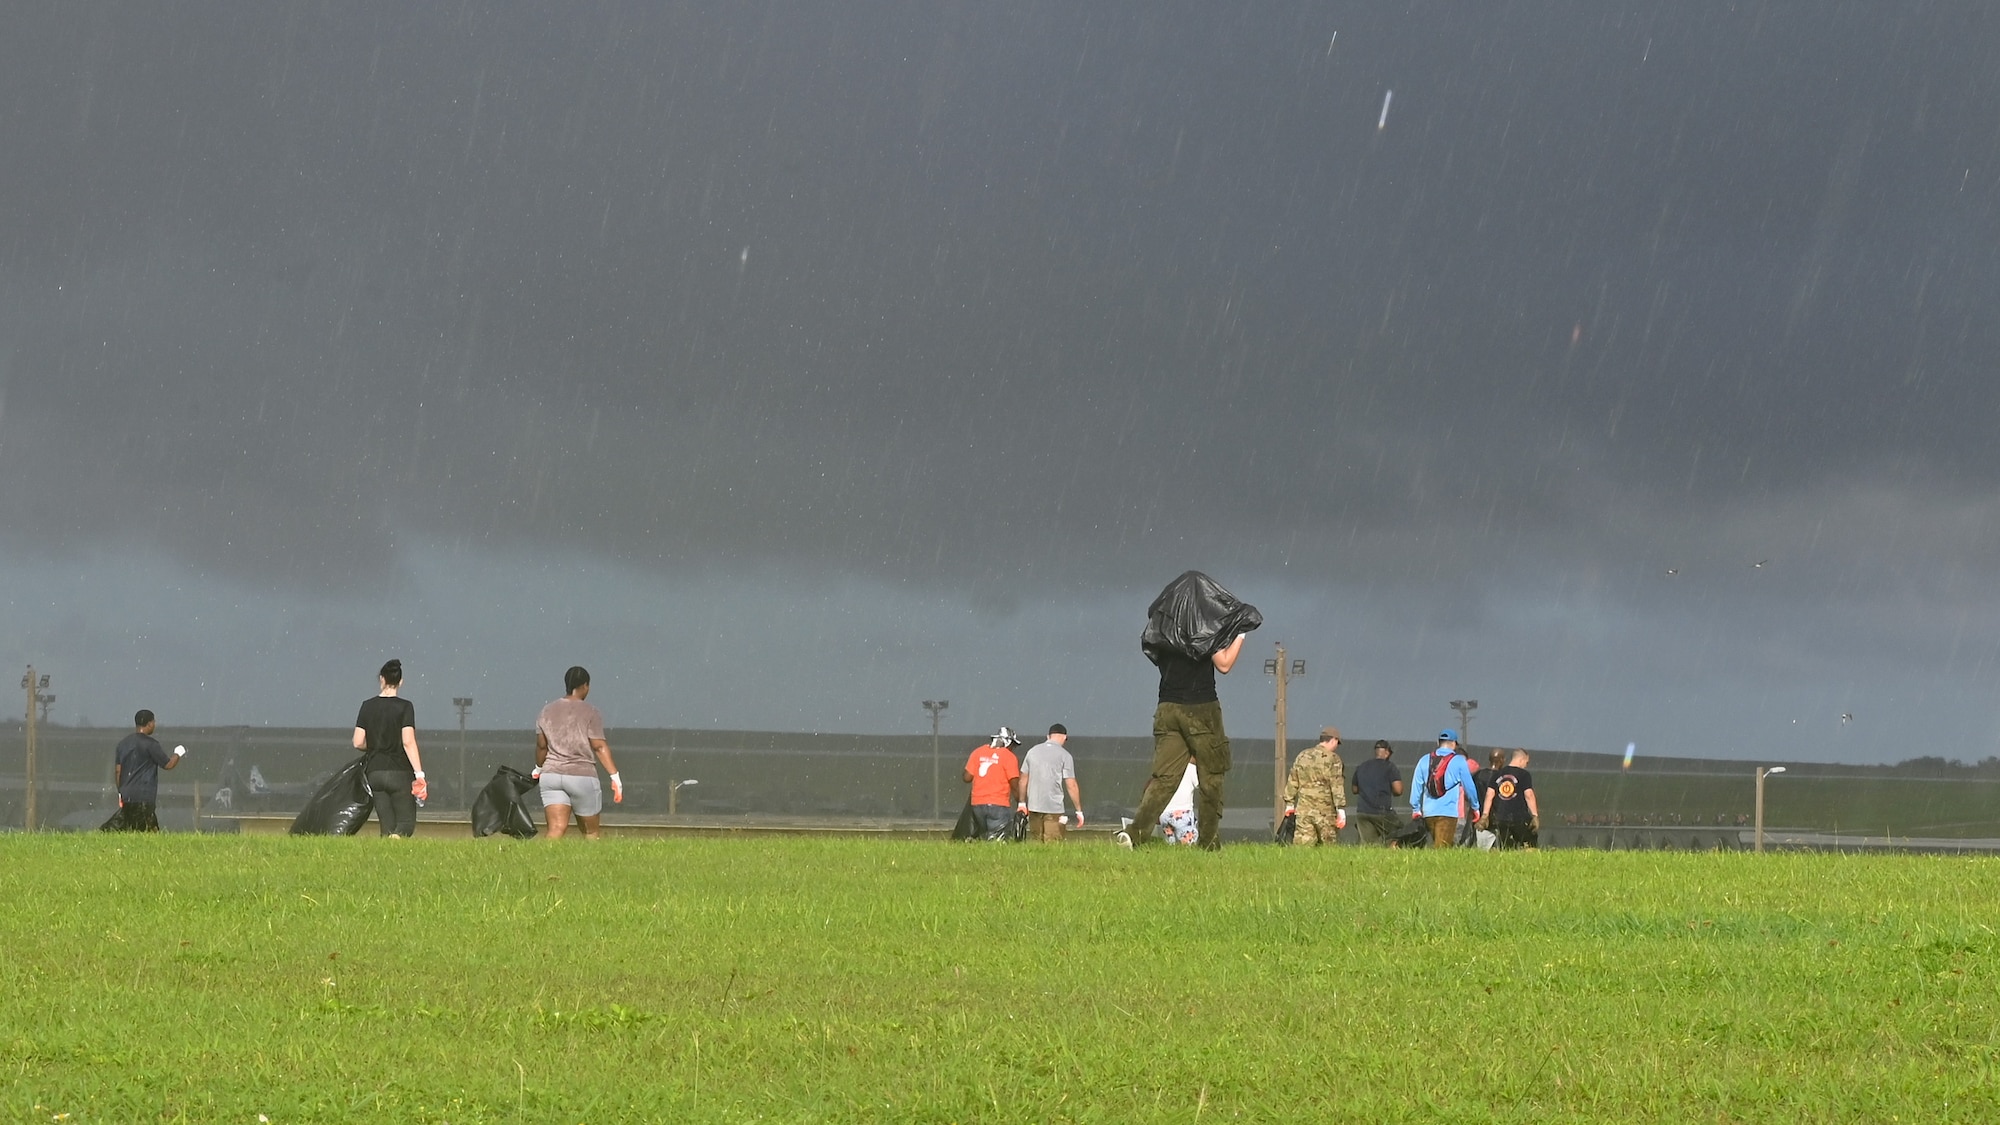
[(1763, 773), (674, 792), (45, 698), (34, 685), (464, 704), (936, 707), (1284, 671), (1465, 708)]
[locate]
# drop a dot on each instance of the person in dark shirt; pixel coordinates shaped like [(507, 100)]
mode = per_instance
[(1510, 804), (139, 760), (1187, 722), (1483, 780), (386, 731), (1377, 783)]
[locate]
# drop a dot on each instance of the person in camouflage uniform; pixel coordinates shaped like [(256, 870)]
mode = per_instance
[(1316, 792)]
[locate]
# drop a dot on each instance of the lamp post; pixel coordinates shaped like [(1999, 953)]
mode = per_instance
[(1763, 773), (936, 707), (34, 685), (464, 704), (1465, 708), (674, 792), (1284, 671)]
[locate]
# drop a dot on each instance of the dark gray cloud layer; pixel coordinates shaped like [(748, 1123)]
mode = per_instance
[(999, 302)]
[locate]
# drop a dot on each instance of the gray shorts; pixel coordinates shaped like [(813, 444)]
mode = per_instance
[(584, 795)]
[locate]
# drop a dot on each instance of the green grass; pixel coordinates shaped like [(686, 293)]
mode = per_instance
[(219, 978)]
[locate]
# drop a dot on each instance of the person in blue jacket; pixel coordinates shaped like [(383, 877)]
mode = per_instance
[(1443, 791)]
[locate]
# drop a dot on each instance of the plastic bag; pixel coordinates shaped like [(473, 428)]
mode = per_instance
[(341, 805), (967, 827), (507, 805), (1416, 834), (1196, 617), (1288, 829)]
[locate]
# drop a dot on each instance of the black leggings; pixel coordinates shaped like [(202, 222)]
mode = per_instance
[(395, 805)]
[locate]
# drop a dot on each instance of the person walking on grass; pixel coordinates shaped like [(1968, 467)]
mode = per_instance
[(139, 759), (995, 775), (1377, 783), (1510, 808), (386, 731), (569, 746), (1444, 791), (1316, 792), (1482, 781), (1046, 772), (1188, 723), (1194, 630)]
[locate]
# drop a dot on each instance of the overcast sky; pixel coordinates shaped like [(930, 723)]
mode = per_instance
[(1630, 369)]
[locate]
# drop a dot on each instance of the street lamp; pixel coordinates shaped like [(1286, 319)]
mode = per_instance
[(936, 707), (1465, 708), (674, 792), (35, 686), (1763, 773), (464, 704), (1284, 671)]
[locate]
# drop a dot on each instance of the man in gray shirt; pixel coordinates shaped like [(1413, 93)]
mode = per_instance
[(1049, 770)]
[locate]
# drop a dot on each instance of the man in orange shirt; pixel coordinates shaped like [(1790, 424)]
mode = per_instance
[(995, 775)]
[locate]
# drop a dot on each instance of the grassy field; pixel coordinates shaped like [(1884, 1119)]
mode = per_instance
[(224, 978)]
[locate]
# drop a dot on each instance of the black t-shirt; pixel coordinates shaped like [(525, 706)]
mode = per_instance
[(141, 756), (1373, 780), (1510, 795), (382, 719), (1483, 781), (1183, 680)]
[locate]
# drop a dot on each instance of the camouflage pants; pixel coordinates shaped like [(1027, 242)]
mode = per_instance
[(1315, 827), (1180, 731)]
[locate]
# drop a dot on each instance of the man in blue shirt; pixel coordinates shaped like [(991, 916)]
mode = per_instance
[(1444, 791), (137, 775)]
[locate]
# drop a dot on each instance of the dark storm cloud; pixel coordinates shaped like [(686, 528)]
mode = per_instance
[(1006, 298)]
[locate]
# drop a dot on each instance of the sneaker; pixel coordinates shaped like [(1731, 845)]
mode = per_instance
[(1123, 839)]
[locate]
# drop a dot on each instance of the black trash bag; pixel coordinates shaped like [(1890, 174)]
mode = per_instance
[(1416, 835), (1196, 617), (340, 806), (967, 827), (1288, 828), (507, 805)]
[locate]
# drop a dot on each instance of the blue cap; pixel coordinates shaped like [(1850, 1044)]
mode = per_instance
[(1447, 736)]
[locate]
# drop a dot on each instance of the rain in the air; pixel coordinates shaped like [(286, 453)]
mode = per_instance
[(839, 384)]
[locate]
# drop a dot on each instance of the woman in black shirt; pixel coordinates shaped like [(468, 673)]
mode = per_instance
[(386, 731)]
